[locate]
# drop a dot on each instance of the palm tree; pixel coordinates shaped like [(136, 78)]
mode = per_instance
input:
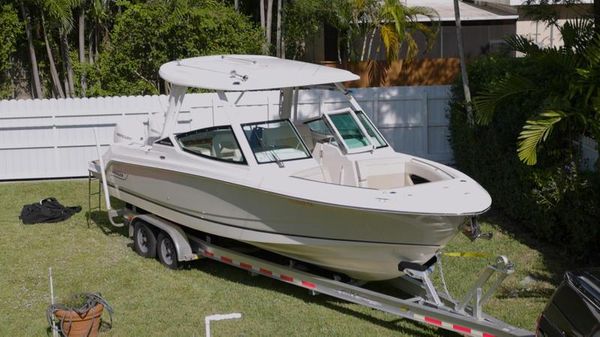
[(399, 23), (35, 73), (99, 13), (61, 14), (463, 66), (54, 79), (570, 98)]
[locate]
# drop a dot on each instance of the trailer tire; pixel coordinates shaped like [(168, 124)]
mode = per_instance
[(167, 253), (144, 240)]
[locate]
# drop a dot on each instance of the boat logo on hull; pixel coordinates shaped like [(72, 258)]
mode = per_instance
[(119, 174)]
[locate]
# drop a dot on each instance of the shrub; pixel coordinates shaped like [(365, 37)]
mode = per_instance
[(146, 35), (553, 199)]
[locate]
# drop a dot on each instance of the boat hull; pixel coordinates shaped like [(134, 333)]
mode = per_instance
[(364, 244)]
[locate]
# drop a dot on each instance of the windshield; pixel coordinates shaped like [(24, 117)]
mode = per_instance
[(274, 141), (348, 129), (374, 135)]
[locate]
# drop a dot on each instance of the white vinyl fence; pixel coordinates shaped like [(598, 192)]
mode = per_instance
[(54, 138)]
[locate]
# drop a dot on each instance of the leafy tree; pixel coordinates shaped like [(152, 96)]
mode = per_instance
[(9, 36), (304, 18), (567, 81), (147, 35)]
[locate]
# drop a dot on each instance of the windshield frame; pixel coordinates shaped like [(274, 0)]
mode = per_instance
[(372, 126), (185, 149), (293, 127), (327, 118)]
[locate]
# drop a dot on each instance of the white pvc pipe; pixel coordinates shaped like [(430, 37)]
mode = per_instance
[(111, 213), (54, 332), (104, 183), (219, 317)]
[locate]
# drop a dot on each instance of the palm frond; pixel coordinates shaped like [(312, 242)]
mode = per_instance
[(577, 34), (535, 131), (403, 21), (390, 41), (487, 102), (522, 44)]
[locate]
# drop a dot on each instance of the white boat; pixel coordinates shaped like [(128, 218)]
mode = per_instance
[(339, 197)]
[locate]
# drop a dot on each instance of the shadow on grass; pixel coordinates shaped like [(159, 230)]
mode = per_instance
[(233, 274), (554, 261), (504, 293), (100, 219)]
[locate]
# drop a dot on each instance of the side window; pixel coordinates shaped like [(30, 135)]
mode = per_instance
[(216, 143)]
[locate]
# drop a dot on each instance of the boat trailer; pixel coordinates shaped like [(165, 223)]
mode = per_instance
[(425, 305)]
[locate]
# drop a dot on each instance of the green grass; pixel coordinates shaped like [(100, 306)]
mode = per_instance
[(150, 300)]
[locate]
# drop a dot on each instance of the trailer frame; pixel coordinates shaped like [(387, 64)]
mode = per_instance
[(425, 305)]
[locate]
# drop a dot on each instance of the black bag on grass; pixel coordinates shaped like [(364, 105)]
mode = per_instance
[(47, 210)]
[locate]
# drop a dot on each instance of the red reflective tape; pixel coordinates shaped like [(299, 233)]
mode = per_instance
[(226, 259), (266, 272), (207, 253), (461, 328), (433, 321), (245, 265), (286, 278), (488, 335), (309, 284)]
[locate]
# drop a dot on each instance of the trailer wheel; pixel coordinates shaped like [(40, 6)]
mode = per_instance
[(167, 253), (144, 240)]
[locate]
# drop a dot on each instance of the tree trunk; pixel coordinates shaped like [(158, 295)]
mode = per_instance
[(369, 51), (269, 25), (81, 34), (263, 26), (339, 49), (96, 50), (56, 86), (278, 51), (236, 5), (463, 66), (597, 16), (69, 86), (364, 47), (35, 73), (262, 14), (91, 46)]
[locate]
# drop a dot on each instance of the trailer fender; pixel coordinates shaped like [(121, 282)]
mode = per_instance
[(182, 245)]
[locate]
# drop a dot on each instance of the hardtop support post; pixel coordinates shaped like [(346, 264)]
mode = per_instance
[(286, 103), (175, 100)]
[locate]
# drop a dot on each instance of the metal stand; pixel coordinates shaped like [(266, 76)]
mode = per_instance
[(98, 207), (476, 295)]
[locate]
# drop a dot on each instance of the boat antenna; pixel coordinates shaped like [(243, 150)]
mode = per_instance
[(237, 59)]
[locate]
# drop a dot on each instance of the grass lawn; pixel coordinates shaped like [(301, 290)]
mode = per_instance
[(150, 300)]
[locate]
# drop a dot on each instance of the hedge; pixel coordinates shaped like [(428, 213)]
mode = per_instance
[(554, 200)]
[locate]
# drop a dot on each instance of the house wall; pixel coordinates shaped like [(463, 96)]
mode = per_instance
[(438, 66), (545, 35), (55, 138)]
